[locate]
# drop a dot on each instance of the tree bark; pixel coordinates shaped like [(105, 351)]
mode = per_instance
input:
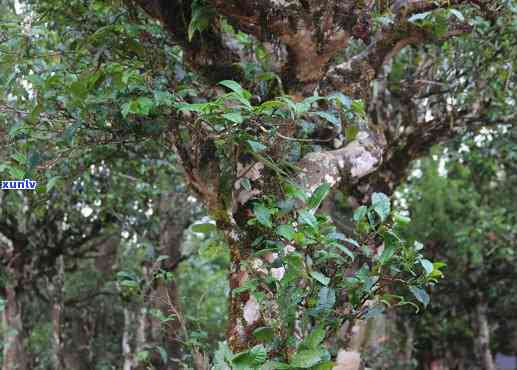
[(484, 352), (174, 218), (126, 340), (56, 290), (161, 293), (409, 344), (14, 355)]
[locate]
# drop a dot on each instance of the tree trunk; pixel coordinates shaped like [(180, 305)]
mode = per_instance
[(174, 218), (141, 336), (14, 357), (126, 340), (77, 350), (410, 343), (56, 290), (484, 352), (161, 291)]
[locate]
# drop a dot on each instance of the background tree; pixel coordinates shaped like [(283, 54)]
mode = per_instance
[(470, 207)]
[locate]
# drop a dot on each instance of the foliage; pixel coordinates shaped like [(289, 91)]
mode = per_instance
[(305, 246), (470, 205)]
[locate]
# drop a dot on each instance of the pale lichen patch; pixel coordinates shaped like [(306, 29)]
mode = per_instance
[(250, 171), (251, 311), (278, 273), (288, 249), (348, 360), (363, 164), (244, 195), (271, 257)]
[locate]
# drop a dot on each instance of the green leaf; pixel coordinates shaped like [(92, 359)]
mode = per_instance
[(329, 117), (360, 213), (319, 194), (401, 220), (373, 312), (263, 215), (307, 218), (381, 205), (70, 131), (343, 99), (235, 87), (327, 365), (264, 334), (326, 298), (418, 246), (52, 182), (201, 17), (307, 358), (427, 265), (18, 126), (145, 105), (259, 353), (387, 253), (250, 359), (418, 17), (142, 356), (163, 98), (457, 14), (295, 266), (246, 183), (256, 146), (163, 354), (204, 228), (34, 159), (286, 232), (195, 107), (222, 357), (16, 173), (313, 340), (345, 250), (140, 106), (275, 365), (351, 132), (358, 107), (324, 280), (20, 158), (293, 190), (420, 294), (234, 117)]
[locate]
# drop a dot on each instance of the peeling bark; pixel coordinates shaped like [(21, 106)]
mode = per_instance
[(351, 163)]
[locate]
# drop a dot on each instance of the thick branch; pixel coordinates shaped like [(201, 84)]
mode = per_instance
[(206, 52), (354, 76), (351, 163)]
